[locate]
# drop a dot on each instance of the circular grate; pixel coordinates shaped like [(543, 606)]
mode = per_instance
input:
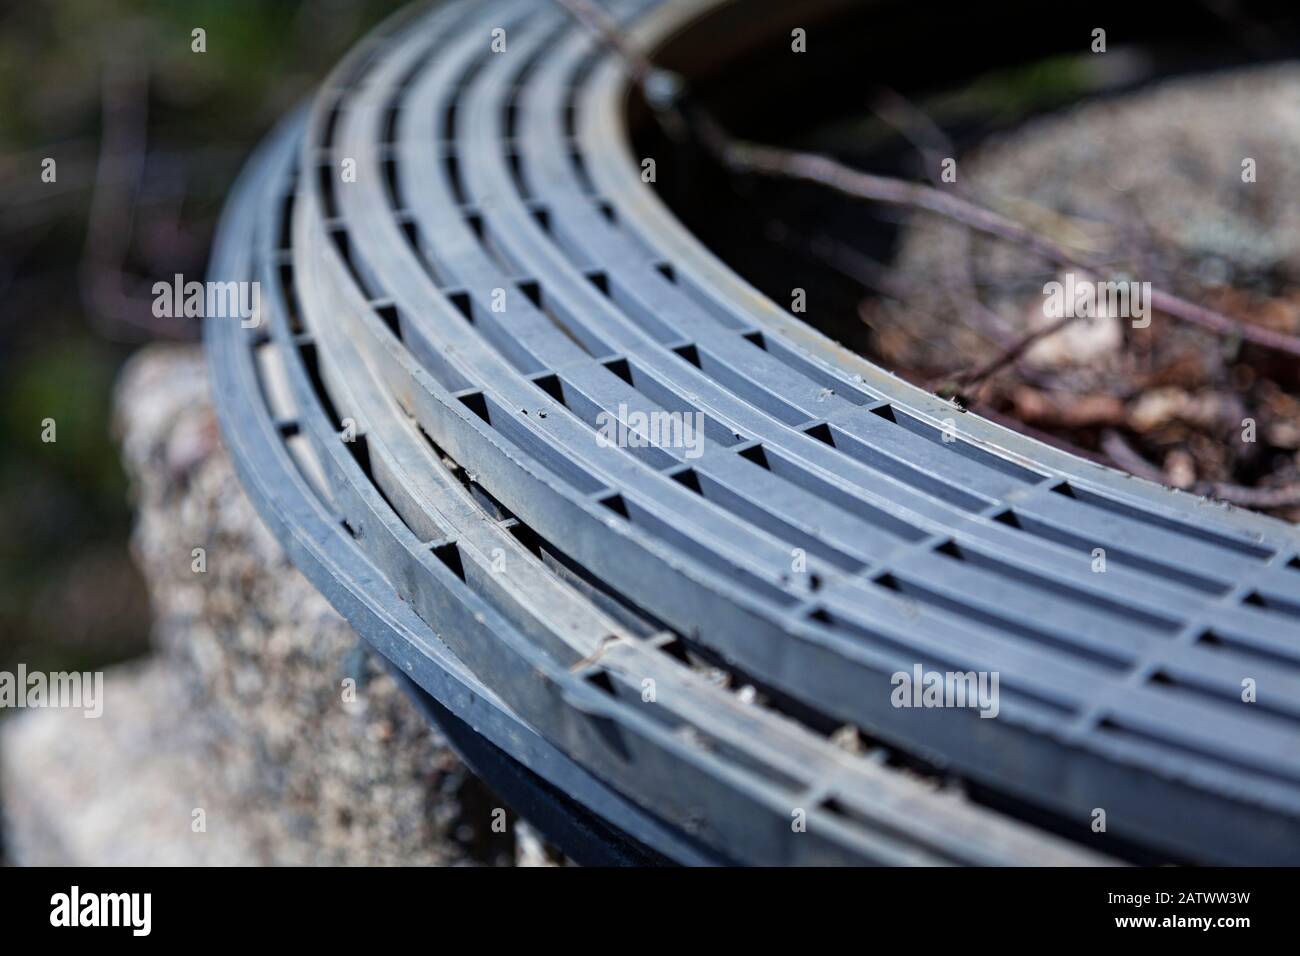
[(464, 281)]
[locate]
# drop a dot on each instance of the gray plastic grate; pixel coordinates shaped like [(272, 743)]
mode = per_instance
[(498, 277)]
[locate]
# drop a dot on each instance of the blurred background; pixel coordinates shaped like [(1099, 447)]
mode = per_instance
[(147, 136)]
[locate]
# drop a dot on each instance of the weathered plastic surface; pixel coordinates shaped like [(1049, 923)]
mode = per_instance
[(313, 534), (498, 276)]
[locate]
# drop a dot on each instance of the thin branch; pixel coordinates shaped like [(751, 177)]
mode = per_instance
[(1123, 454), (1285, 496), (117, 314), (1018, 348), (742, 156)]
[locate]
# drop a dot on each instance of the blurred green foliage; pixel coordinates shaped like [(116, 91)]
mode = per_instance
[(69, 596)]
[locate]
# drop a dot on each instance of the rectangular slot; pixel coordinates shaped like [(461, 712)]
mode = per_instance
[(451, 166), (1270, 602), (1117, 556), (311, 362), (960, 445), (1067, 490), (449, 554), (906, 474), (1251, 654), (810, 370), (1090, 599), (1000, 622)]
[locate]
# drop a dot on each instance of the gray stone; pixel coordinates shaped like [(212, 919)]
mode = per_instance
[(241, 712)]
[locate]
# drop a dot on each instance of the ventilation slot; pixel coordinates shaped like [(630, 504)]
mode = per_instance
[(1025, 579), (343, 244), (325, 186), (822, 432), (332, 124), (516, 164), (1271, 603), (463, 303), (1116, 556), (476, 226), (998, 622), (755, 454), (580, 168), (390, 181), (602, 681), (449, 123), (391, 116), (476, 402), (311, 362), (1226, 698), (816, 373), (799, 475), (533, 290), (1066, 490), (620, 368), (616, 504), (452, 167), (290, 295), (449, 554), (690, 353), (552, 386), (286, 223), (387, 312), (1249, 653), (899, 470), (689, 479), (1133, 736), (962, 447)]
